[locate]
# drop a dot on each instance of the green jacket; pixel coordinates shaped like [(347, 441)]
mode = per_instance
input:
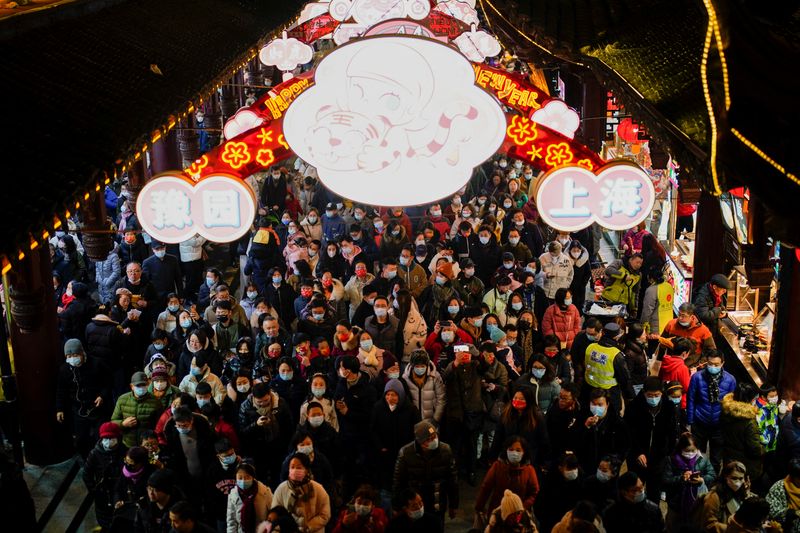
[(146, 409), (768, 424), (622, 285)]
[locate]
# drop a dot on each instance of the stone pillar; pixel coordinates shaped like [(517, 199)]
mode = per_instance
[(784, 361), (38, 353), (96, 235), (137, 177), (188, 142)]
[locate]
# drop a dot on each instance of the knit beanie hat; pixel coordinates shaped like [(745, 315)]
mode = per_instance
[(110, 430), (510, 504), (497, 335), (73, 346), (397, 387)]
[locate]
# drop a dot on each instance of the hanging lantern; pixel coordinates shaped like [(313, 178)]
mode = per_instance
[(628, 131)]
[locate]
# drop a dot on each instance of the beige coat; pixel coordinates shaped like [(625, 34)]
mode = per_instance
[(263, 504), (312, 515)]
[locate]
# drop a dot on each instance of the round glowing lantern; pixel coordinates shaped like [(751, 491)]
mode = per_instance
[(628, 131)]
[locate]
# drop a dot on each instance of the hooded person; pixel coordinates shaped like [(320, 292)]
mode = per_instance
[(102, 469), (391, 427), (511, 516)]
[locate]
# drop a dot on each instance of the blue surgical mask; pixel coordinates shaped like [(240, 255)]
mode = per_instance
[(492, 327), (287, 376), (440, 280), (184, 431), (158, 346), (186, 323), (318, 316), (173, 308), (366, 345), (714, 370), (139, 391), (196, 371), (244, 484), (160, 253), (453, 309), (597, 410), (228, 460), (209, 281), (676, 401), (109, 444), (516, 306), (639, 498), (318, 392), (416, 514), (602, 476), (393, 375), (201, 402), (306, 450), (478, 322), (653, 402), (484, 240), (403, 260), (538, 373), (567, 301), (252, 295), (420, 370), (276, 280), (448, 336), (592, 338), (380, 311)]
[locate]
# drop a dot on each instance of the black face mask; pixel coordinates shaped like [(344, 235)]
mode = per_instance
[(223, 319)]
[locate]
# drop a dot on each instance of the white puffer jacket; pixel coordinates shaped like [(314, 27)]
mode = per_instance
[(430, 399)]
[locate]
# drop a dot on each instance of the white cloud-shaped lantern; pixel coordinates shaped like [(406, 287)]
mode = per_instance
[(394, 120), (244, 120), (370, 12), (558, 116), (286, 53)]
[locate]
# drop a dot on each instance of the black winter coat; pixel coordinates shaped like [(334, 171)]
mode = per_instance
[(609, 436), (390, 431), (205, 446), (165, 275), (273, 437), (564, 429), (78, 387), (218, 483), (73, 319), (282, 299), (105, 340), (101, 472), (360, 399), (624, 517), (652, 434), (432, 474), (486, 258)]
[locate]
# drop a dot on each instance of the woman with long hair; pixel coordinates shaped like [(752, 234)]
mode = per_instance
[(522, 417), (687, 475)]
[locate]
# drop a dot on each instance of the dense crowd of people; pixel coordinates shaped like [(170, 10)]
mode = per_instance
[(376, 356)]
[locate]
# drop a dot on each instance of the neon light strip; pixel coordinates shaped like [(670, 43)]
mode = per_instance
[(712, 119), (764, 156)]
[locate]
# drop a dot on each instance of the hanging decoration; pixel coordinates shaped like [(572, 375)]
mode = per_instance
[(286, 54)]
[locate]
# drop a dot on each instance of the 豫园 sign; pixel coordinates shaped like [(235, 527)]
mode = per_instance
[(619, 196), (171, 208)]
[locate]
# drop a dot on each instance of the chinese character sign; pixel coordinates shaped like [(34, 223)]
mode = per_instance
[(618, 197), (172, 209)]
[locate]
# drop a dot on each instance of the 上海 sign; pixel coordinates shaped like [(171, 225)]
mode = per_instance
[(618, 197), (171, 208)]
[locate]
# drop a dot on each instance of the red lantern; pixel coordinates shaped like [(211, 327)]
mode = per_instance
[(628, 131)]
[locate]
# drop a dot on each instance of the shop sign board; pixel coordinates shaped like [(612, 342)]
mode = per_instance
[(172, 208), (619, 196)]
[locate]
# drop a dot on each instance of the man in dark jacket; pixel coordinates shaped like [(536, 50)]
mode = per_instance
[(263, 255), (529, 233), (651, 419), (190, 441), (633, 511), (564, 421), (102, 469), (707, 388), (82, 395), (74, 317), (428, 467), (152, 515), (354, 398), (711, 301), (592, 329), (604, 433), (145, 296), (320, 322), (485, 254), (413, 516), (164, 272), (464, 411), (280, 295), (265, 427), (220, 479)]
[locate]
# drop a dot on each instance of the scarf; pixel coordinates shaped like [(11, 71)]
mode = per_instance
[(713, 387), (792, 493), (247, 514), (66, 300), (689, 492), (301, 491), (133, 476)]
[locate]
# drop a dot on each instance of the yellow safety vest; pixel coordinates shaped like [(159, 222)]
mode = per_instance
[(600, 366), (666, 298)]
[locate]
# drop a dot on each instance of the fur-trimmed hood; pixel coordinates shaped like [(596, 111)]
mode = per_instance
[(732, 408)]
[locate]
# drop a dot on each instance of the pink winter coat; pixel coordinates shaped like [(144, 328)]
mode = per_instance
[(563, 324)]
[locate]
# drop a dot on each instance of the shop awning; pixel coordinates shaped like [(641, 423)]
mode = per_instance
[(85, 83)]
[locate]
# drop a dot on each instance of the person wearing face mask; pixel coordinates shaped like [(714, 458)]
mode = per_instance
[(651, 419), (164, 272), (604, 432), (159, 344), (485, 254), (199, 372), (673, 367), (561, 490), (136, 410), (102, 469), (160, 386), (519, 250), (541, 380), (83, 394), (425, 387), (441, 342), (353, 290), (469, 287), (273, 191), (600, 488), (707, 388), (687, 475), (606, 369), (320, 392), (689, 326), (265, 427), (227, 332), (391, 427), (512, 471), (132, 248), (248, 501), (636, 355), (312, 225), (557, 270), (382, 327), (333, 225), (131, 487), (363, 514), (562, 318), (724, 499), (190, 446), (243, 358), (213, 278), (768, 419), (324, 436), (168, 319), (426, 464), (219, 481), (633, 511), (303, 497), (289, 384), (107, 273), (354, 398)]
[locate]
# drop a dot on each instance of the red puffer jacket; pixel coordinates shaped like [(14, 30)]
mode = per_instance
[(564, 324)]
